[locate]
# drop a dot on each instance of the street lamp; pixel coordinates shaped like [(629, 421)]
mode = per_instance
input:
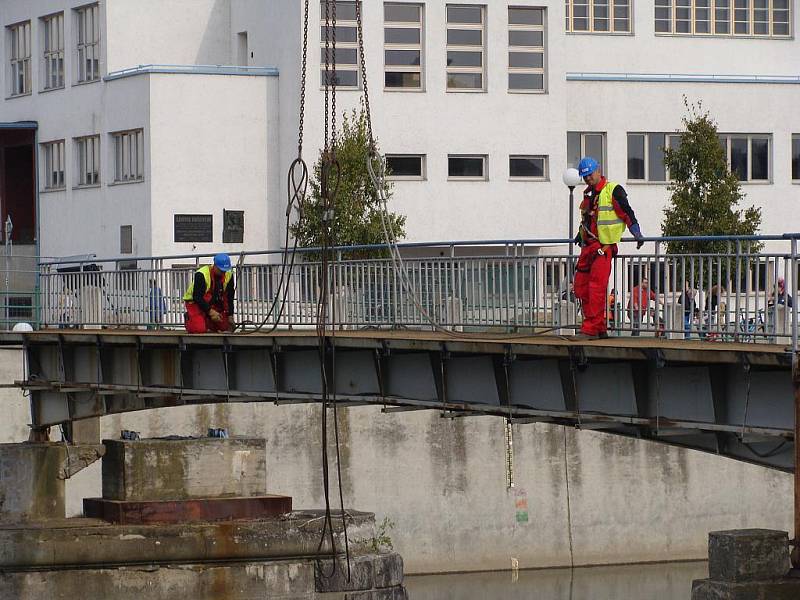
[(571, 178)]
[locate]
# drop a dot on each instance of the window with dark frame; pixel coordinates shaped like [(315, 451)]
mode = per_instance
[(88, 160), (598, 16), (580, 144), (750, 18), (20, 58), (88, 35), (405, 166), (527, 167), (466, 47), (526, 49), (749, 156), (466, 167), (345, 70), (53, 48), (646, 155), (796, 156), (54, 165), (402, 38), (128, 156)]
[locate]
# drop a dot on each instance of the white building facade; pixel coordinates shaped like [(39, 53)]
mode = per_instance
[(166, 127)]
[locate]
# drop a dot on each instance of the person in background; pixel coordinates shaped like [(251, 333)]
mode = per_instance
[(779, 295), (639, 303), (611, 311), (687, 301), (157, 306), (209, 299)]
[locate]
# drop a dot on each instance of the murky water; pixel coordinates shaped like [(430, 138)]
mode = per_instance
[(665, 581)]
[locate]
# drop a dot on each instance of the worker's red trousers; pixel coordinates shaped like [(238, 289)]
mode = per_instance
[(196, 321), (591, 286)]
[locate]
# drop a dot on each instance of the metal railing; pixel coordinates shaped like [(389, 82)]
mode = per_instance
[(494, 285)]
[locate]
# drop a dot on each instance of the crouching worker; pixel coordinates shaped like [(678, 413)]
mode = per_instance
[(209, 299)]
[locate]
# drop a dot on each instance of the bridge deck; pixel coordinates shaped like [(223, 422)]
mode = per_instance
[(734, 399)]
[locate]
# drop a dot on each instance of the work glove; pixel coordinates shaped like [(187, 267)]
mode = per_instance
[(637, 233), (214, 315)]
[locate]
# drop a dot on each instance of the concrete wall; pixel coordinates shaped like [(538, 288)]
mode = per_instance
[(443, 483), (178, 32), (193, 117)]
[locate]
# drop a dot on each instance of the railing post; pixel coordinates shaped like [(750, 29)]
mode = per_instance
[(796, 388), (794, 274)]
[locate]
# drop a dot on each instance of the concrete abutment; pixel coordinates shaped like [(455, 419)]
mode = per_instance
[(198, 524)]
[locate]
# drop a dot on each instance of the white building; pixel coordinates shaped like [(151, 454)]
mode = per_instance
[(481, 105)]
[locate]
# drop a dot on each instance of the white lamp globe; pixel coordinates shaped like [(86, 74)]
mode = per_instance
[(22, 327), (571, 177)]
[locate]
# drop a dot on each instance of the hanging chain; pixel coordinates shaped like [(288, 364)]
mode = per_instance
[(303, 83), (363, 62), (334, 78), (327, 67)]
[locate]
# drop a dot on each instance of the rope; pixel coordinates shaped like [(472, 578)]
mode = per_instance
[(569, 507)]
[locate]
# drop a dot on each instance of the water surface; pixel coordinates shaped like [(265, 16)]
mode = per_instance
[(663, 581)]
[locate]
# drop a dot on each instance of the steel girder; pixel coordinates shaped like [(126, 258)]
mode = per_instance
[(730, 399)]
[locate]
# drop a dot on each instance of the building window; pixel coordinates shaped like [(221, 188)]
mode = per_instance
[(20, 58), (402, 37), (128, 156), (53, 155), (796, 157), (405, 166), (465, 48), (345, 70), (526, 71), (748, 155), (88, 30), (126, 239), (471, 167), (581, 144), (53, 47), (87, 150), (761, 18), (598, 16), (646, 155), (527, 167)]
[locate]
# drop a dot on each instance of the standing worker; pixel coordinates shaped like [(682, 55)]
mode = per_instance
[(605, 212), (209, 299)]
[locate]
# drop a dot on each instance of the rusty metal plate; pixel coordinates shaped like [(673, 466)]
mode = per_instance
[(186, 511)]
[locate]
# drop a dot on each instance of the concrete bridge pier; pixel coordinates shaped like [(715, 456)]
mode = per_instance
[(32, 477), (748, 564), (178, 517)]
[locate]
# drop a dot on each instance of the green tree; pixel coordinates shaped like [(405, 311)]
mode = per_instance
[(357, 207), (704, 194)]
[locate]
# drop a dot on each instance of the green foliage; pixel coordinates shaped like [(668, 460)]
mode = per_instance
[(382, 540), (356, 218), (704, 194)]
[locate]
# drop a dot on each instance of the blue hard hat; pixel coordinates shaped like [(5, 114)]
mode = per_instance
[(587, 166), (222, 262)]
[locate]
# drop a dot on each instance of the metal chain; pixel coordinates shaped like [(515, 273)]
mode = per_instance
[(362, 59), (335, 76), (327, 66), (303, 83)]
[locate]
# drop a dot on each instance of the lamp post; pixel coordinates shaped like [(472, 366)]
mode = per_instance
[(571, 178)]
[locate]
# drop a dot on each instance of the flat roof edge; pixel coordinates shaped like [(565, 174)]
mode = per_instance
[(193, 70), (684, 78)]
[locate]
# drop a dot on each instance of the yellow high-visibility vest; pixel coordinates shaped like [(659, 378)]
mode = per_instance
[(609, 226), (206, 271)]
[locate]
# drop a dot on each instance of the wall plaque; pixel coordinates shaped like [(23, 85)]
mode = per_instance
[(194, 228)]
